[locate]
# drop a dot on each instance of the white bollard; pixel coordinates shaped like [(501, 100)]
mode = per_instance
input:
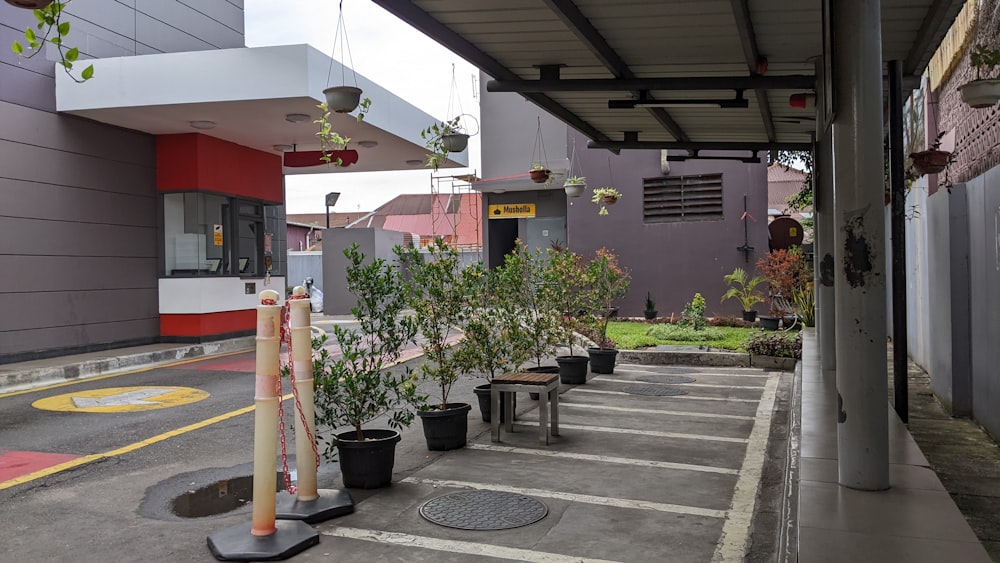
[(266, 415)]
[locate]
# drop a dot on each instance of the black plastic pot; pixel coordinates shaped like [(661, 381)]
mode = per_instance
[(749, 316), (572, 369), (602, 360), (446, 429), (367, 464), (768, 323), (541, 369), (486, 407), (649, 314)]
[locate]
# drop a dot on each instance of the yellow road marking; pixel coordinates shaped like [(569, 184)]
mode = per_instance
[(127, 449), (121, 399), (121, 373)]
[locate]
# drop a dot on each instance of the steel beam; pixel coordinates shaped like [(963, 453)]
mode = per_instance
[(748, 39), (790, 82), (939, 17), (695, 145)]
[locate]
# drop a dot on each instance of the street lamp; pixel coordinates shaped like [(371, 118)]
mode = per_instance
[(331, 200)]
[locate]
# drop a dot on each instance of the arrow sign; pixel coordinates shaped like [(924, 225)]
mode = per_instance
[(135, 397)]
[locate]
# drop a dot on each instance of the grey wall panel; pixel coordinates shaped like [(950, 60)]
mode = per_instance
[(939, 280), (175, 27), (25, 88), (23, 311), (62, 203), (24, 342), (50, 166), (57, 238), (224, 12), (81, 273), (984, 229)]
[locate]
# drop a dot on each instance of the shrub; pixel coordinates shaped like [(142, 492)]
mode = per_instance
[(694, 313), (684, 333), (729, 321), (769, 343)]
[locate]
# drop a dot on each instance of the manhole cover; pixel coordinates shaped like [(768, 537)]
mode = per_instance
[(484, 510), (654, 391), (666, 379)]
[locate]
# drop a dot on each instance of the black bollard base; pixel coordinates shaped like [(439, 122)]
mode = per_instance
[(330, 504), (237, 544)]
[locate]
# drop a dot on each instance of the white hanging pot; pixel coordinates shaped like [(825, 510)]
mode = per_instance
[(342, 99), (980, 93), (574, 190), (455, 142), (29, 4)]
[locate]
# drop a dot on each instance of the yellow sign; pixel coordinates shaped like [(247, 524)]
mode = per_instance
[(121, 399), (512, 211), (217, 235), (793, 232)]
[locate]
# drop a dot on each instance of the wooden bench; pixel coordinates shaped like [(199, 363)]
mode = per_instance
[(545, 384)]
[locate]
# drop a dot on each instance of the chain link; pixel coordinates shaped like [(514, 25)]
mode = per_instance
[(286, 337)]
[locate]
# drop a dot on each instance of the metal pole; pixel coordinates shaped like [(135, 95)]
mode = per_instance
[(859, 209), (897, 184), (327, 216), (826, 326)]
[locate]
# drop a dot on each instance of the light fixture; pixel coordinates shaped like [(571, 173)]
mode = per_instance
[(645, 101), (414, 162), (282, 148), (368, 144), (297, 117), (203, 124)]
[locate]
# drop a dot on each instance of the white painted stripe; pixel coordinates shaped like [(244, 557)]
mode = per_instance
[(736, 530), (710, 385), (685, 397), (563, 403), (640, 432), (737, 372), (604, 459), (571, 497), (453, 546)]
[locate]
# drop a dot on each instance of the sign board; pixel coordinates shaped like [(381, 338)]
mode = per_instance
[(121, 399), (217, 235), (512, 211)]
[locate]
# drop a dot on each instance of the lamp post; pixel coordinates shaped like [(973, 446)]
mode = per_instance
[(331, 200)]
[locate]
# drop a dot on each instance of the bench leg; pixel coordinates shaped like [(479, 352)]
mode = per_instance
[(543, 422), (508, 403), (494, 415), (554, 408)]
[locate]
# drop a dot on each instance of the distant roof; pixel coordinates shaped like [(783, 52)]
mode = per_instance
[(456, 217), (319, 219), (779, 173)]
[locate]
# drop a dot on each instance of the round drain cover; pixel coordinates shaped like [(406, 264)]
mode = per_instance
[(666, 379), (654, 391), (484, 510)]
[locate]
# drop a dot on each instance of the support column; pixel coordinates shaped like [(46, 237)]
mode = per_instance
[(859, 259), (823, 233), (897, 183)]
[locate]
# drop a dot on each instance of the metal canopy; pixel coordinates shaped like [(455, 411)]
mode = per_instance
[(571, 57)]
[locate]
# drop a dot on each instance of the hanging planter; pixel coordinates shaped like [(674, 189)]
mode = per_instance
[(982, 92), (574, 186), (455, 142), (933, 160), (446, 137), (538, 173), (342, 99), (29, 4), (604, 197)]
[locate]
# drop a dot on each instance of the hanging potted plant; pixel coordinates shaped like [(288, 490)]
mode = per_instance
[(343, 98), (538, 173), (49, 15), (574, 186), (933, 160), (439, 299), (606, 282), (445, 137), (604, 197), (744, 289), (357, 387), (984, 91)]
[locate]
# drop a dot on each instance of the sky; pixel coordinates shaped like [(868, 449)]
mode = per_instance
[(390, 53)]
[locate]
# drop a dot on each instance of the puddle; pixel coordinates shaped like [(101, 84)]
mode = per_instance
[(217, 498)]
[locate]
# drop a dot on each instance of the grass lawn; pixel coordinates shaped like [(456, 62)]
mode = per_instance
[(632, 336)]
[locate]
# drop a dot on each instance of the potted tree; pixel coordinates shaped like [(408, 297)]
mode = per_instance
[(496, 338), (606, 282), (650, 311), (933, 160), (574, 186), (564, 290), (604, 197), (744, 289), (784, 270), (984, 91), (358, 386), (439, 299)]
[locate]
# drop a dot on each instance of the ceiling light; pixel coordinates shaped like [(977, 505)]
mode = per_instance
[(282, 148), (414, 162), (297, 117), (203, 124), (368, 144)]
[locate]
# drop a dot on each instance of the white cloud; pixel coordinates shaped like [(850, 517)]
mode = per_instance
[(387, 51)]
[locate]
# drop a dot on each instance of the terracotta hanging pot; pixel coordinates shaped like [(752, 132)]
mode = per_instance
[(609, 200), (539, 176), (930, 161), (29, 4)]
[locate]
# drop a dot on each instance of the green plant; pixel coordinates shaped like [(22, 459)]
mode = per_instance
[(684, 333), (604, 197), (576, 181), (743, 288), (605, 281), (526, 272), (779, 344), (439, 300), (650, 304), (363, 108), (329, 140), (358, 386), (50, 19), (563, 288), (433, 138), (693, 315), (805, 303), (985, 60), (784, 270)]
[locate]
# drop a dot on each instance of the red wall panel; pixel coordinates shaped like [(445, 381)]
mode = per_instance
[(196, 162), (208, 324)]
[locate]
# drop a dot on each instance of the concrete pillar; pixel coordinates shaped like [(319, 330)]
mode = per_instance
[(823, 234), (859, 245)]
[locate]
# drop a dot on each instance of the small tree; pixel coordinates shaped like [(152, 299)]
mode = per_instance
[(694, 313), (358, 386), (525, 272), (785, 271), (564, 286), (606, 282)]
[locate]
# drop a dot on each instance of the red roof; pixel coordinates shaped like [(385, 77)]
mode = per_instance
[(456, 217)]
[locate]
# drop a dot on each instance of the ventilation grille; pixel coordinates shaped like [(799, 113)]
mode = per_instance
[(682, 198)]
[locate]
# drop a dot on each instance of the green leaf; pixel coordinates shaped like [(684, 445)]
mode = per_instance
[(17, 48), (68, 65), (29, 34), (87, 73), (72, 55), (40, 16), (63, 28), (56, 41)]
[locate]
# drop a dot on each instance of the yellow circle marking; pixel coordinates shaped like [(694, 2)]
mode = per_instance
[(121, 399)]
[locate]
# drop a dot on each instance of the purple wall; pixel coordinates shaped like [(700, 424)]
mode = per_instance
[(670, 260)]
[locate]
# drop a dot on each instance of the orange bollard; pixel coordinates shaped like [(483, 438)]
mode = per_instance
[(305, 419)]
